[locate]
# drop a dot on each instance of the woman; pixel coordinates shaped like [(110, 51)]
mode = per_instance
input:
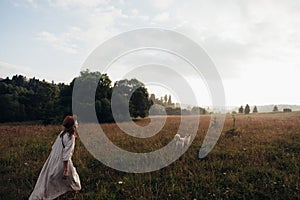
[(58, 174)]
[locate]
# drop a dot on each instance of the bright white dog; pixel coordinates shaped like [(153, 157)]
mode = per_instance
[(182, 141)]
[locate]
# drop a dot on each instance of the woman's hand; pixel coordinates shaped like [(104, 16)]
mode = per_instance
[(66, 174)]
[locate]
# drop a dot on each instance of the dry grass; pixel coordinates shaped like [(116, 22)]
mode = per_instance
[(262, 162)]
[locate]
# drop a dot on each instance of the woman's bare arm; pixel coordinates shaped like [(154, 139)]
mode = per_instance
[(66, 172)]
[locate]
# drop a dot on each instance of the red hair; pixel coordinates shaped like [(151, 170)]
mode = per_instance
[(69, 124)]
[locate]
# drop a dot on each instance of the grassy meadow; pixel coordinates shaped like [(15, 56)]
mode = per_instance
[(262, 161)]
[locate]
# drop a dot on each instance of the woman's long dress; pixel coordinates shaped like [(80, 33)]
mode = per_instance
[(50, 183)]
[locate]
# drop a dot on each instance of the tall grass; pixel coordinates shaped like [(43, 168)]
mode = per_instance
[(261, 162)]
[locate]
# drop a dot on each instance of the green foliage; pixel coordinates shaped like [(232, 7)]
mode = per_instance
[(247, 109), (174, 111), (105, 114), (241, 109), (169, 100), (31, 100), (255, 109), (135, 93), (23, 100), (164, 105), (139, 103), (275, 109), (198, 110), (157, 109)]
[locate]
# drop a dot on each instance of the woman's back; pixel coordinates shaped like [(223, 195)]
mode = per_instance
[(50, 183)]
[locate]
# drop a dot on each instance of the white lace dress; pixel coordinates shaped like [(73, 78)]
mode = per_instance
[(50, 183)]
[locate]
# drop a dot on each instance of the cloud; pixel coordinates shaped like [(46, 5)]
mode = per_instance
[(134, 12), (32, 3), (7, 70), (16, 4), (165, 4), (246, 39), (233, 34), (162, 17), (95, 21), (70, 4), (242, 36), (66, 42)]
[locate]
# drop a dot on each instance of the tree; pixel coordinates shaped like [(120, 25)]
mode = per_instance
[(105, 112), (19, 80), (166, 99), (9, 108), (161, 100), (157, 109), (275, 109), (169, 100), (139, 102), (28, 100), (247, 109), (254, 109), (152, 97), (100, 102), (104, 88), (65, 99), (198, 110), (241, 109)]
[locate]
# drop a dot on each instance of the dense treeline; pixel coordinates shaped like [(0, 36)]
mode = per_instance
[(26, 100), (164, 105), (23, 99), (31, 100)]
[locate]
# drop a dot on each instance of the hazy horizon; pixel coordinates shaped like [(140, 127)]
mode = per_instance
[(228, 108)]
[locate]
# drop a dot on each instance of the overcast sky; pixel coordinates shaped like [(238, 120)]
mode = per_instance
[(255, 45)]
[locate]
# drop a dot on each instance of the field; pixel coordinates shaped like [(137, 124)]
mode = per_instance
[(262, 161)]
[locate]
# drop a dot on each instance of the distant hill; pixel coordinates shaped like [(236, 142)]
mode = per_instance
[(269, 108)]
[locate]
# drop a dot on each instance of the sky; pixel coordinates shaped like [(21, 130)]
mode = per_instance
[(255, 45)]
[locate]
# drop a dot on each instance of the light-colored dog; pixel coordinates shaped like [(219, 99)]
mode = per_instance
[(182, 141)]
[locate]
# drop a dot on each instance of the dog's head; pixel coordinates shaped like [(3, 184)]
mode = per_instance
[(177, 136)]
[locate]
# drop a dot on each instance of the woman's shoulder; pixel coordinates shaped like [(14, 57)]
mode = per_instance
[(68, 137)]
